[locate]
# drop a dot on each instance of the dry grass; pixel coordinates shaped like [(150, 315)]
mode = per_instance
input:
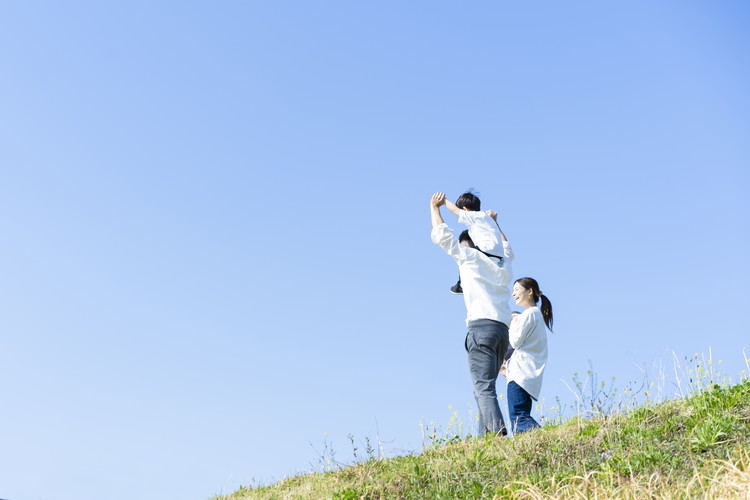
[(718, 479), (698, 447)]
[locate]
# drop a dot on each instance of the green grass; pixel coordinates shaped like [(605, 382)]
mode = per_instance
[(697, 447)]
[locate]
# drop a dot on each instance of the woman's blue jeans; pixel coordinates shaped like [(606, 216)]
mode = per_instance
[(486, 343), (519, 409)]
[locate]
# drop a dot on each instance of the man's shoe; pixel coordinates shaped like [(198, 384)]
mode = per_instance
[(456, 289)]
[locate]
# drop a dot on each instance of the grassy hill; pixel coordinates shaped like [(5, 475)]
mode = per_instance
[(698, 447)]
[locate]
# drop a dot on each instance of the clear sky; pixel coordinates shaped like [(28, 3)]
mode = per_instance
[(215, 228)]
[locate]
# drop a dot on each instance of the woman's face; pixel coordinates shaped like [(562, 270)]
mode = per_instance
[(520, 294)]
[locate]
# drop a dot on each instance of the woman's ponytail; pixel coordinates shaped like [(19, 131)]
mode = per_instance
[(546, 310)]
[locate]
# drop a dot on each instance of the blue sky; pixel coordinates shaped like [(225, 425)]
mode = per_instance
[(216, 229)]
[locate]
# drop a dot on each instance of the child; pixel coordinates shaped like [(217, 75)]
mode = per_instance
[(486, 236)]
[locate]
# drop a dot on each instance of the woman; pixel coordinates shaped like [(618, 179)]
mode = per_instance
[(528, 338)]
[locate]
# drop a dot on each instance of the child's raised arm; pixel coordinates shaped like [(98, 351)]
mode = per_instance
[(452, 207), (493, 214)]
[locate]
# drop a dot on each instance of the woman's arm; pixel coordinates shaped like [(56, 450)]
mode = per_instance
[(521, 326)]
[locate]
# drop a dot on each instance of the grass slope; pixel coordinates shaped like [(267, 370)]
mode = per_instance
[(697, 447)]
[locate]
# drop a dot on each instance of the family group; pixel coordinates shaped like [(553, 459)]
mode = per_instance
[(498, 341)]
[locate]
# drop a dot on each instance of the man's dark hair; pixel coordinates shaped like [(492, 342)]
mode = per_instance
[(469, 201), (464, 236)]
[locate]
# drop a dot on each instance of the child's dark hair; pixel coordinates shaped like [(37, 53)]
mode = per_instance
[(469, 201), (546, 308)]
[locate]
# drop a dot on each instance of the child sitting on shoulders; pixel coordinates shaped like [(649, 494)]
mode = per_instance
[(486, 234)]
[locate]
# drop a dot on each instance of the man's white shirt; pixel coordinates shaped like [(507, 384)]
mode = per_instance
[(485, 283)]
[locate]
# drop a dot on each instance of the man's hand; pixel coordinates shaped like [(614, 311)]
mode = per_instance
[(492, 214), (437, 200)]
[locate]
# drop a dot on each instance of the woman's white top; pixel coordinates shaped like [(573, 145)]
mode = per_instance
[(528, 336)]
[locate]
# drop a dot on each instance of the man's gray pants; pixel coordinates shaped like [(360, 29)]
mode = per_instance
[(486, 344)]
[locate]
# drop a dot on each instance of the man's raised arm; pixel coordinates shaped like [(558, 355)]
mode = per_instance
[(441, 234), (436, 201)]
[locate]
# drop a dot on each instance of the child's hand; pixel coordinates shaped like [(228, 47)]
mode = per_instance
[(492, 214)]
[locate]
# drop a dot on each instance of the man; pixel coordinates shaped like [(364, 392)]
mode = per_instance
[(486, 288)]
